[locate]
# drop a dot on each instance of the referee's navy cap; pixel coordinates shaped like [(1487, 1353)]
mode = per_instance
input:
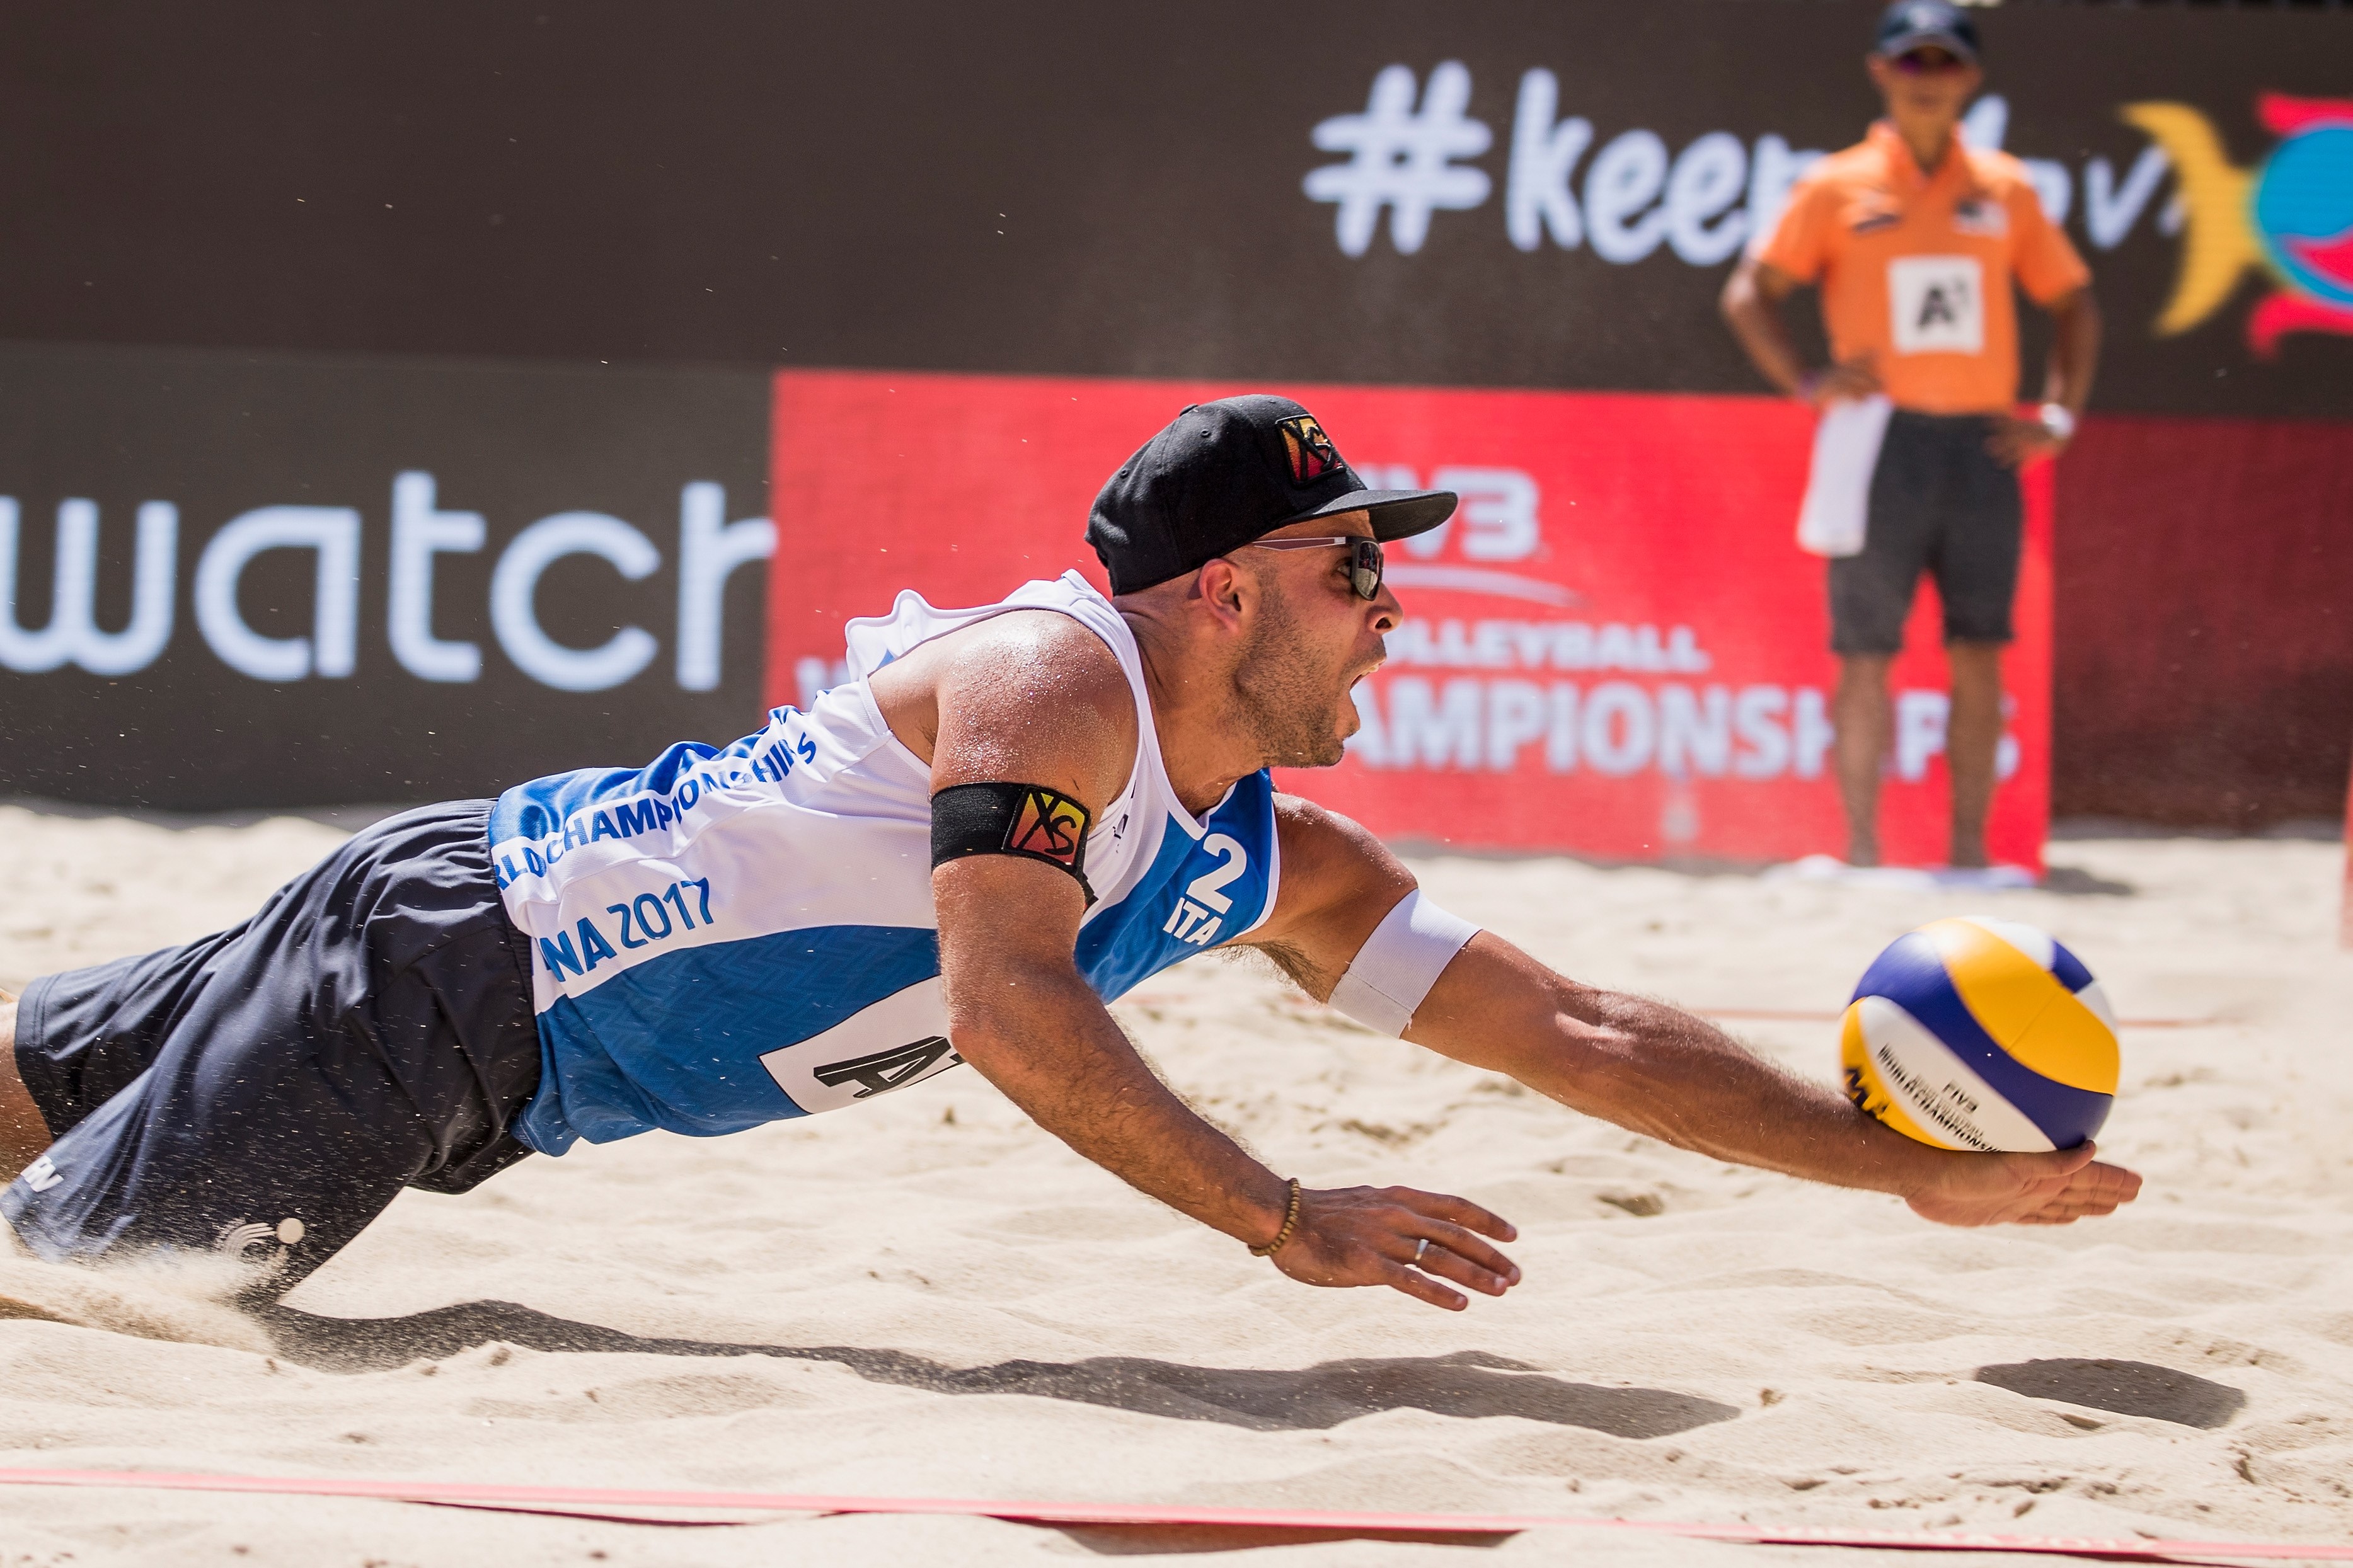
[(1223, 473), (1915, 24)]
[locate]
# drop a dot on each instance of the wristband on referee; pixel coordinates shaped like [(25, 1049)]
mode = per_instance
[(2057, 419)]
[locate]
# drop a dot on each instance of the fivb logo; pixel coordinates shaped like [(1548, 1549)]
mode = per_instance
[(1497, 526)]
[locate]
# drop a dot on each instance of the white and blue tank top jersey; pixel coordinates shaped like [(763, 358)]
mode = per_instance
[(732, 936)]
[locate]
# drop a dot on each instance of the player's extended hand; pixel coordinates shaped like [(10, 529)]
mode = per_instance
[(2023, 1189), (1368, 1235)]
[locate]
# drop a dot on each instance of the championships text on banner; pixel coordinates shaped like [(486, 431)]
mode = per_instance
[(1614, 649)]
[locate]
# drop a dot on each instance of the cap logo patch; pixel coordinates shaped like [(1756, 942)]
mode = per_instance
[(1311, 451)]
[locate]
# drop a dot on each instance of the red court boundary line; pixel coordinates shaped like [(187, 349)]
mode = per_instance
[(1801, 1015), (481, 1494)]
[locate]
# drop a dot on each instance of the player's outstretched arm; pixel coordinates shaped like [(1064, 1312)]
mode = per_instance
[(1647, 1065), (1659, 1070), (1042, 709)]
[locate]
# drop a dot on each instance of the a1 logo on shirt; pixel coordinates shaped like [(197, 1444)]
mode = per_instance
[(900, 1040), (1936, 304)]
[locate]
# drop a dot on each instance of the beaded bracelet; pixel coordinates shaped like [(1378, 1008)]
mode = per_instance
[(1290, 1219)]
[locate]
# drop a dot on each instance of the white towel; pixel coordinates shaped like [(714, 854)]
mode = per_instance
[(1838, 488)]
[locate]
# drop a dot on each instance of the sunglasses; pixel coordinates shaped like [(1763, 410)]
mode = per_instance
[(1929, 62), (1363, 568)]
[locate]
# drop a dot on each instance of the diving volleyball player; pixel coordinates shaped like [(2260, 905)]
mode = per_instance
[(1006, 818)]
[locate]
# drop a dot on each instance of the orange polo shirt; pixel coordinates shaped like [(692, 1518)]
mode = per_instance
[(1915, 270)]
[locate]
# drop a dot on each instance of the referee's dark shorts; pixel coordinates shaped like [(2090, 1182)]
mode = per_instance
[(1942, 505)]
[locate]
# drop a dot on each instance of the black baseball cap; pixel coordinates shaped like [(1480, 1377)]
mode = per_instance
[(1223, 473), (1915, 24)]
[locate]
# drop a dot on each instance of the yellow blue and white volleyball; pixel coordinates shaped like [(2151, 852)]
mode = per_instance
[(1982, 1035)]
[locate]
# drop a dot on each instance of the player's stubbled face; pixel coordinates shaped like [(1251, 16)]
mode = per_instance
[(1311, 640)]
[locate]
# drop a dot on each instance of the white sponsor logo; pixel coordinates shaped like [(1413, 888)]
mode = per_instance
[(1612, 728), (1629, 194), (902, 1039), (1547, 645), (41, 1174), (1978, 216), (1920, 719), (1936, 304), (1403, 159), (710, 548), (72, 635)]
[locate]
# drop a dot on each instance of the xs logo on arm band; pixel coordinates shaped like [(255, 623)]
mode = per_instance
[(1029, 820)]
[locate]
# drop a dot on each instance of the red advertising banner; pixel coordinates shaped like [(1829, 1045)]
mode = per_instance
[(1615, 648), (2344, 915)]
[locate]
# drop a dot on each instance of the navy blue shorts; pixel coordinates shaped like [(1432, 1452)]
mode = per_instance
[(1941, 504), (266, 1091)]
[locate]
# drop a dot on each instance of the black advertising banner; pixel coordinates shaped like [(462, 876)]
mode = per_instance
[(1576, 188), (1527, 192), (367, 480), (258, 580)]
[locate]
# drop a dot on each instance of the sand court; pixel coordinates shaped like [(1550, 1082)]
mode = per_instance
[(928, 1295)]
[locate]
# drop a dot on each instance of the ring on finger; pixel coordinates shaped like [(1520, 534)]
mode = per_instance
[(1418, 1248)]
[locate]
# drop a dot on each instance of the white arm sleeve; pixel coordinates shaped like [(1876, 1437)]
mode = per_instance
[(1399, 962)]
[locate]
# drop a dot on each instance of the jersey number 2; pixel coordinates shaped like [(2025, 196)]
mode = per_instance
[(1235, 860), (1202, 912)]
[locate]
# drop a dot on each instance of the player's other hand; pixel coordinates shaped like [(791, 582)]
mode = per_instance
[(2023, 1189), (1368, 1235), (1848, 382), (2015, 441)]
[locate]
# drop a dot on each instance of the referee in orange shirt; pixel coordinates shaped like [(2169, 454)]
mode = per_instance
[(1914, 241)]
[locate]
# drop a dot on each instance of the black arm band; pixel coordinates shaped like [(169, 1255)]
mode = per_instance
[(1029, 820)]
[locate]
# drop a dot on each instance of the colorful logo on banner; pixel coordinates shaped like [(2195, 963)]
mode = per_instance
[(2291, 216)]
